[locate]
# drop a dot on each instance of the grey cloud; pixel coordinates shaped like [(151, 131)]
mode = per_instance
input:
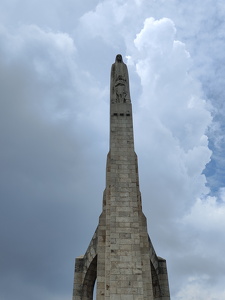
[(54, 141), (43, 173)]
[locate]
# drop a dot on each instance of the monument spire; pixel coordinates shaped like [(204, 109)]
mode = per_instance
[(121, 257)]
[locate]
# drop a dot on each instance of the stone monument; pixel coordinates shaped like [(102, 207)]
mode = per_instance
[(120, 257)]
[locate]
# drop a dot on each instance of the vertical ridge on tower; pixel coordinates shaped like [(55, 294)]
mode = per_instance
[(121, 257)]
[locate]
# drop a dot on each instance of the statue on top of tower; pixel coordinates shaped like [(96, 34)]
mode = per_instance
[(119, 90)]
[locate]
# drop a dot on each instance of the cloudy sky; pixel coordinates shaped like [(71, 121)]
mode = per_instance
[(55, 60)]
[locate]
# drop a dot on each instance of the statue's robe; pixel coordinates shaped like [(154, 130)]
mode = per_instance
[(119, 90)]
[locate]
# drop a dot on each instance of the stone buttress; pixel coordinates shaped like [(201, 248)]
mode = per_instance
[(121, 256)]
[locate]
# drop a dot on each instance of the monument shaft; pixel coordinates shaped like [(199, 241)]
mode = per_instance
[(121, 256)]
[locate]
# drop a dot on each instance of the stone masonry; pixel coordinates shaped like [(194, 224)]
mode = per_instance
[(121, 257)]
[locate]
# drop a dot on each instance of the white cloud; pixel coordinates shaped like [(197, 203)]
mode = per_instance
[(201, 230), (156, 35), (196, 290), (207, 214), (172, 115), (171, 126), (96, 22), (114, 22)]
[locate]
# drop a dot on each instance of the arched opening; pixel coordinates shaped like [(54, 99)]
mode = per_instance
[(89, 281), (95, 291), (155, 282)]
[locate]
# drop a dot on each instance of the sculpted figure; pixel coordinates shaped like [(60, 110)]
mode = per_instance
[(119, 90)]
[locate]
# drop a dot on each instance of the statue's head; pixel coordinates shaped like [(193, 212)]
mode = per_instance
[(119, 58)]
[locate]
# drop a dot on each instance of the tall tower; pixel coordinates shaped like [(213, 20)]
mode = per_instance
[(121, 256)]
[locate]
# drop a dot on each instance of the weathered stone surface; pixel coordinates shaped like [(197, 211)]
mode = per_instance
[(119, 87), (121, 256)]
